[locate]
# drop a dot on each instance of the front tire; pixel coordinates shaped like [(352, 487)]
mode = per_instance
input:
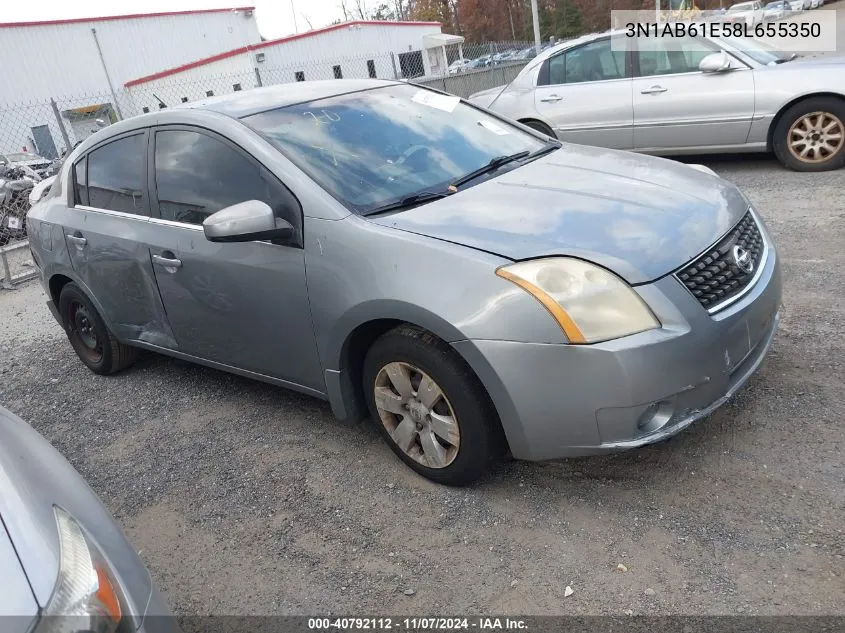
[(810, 136), (430, 408), (92, 341)]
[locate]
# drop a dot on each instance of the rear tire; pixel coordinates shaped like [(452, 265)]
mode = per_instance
[(814, 127), (447, 427), (540, 127), (92, 341)]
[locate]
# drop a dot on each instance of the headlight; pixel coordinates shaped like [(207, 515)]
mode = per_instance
[(589, 303), (86, 596)]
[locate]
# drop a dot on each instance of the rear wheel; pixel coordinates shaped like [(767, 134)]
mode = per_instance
[(430, 407), (810, 136), (92, 341)]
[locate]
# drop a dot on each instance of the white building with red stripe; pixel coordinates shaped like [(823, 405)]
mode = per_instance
[(118, 66)]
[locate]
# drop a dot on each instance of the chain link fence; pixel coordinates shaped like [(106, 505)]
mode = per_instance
[(35, 136)]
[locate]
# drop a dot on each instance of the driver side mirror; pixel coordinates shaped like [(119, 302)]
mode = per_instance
[(716, 63), (246, 222)]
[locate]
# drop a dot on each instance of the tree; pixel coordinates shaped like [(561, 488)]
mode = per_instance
[(383, 12)]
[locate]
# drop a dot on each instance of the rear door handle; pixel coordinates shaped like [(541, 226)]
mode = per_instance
[(77, 239), (654, 90), (551, 99), (170, 264)]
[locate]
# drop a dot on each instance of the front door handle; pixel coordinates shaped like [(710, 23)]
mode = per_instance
[(170, 263), (78, 240), (551, 99), (654, 90)]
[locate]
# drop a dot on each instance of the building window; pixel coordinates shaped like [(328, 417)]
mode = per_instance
[(209, 93), (300, 75), (236, 87), (146, 110), (371, 68), (338, 73), (184, 99)]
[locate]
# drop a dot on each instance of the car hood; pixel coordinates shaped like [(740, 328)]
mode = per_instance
[(639, 216), (485, 97)]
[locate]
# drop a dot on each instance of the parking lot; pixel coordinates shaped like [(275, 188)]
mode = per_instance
[(247, 498)]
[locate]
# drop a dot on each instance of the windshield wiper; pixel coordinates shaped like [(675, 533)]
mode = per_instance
[(409, 201), (783, 60), (493, 165), (548, 147)]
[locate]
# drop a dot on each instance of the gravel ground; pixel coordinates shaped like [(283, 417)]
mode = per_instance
[(247, 498)]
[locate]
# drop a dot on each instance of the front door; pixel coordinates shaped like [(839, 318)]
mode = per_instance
[(584, 93), (676, 105), (240, 304)]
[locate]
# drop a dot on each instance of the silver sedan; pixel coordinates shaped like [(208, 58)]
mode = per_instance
[(690, 96), (473, 284)]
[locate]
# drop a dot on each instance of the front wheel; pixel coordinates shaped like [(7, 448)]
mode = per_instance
[(810, 136), (430, 407)]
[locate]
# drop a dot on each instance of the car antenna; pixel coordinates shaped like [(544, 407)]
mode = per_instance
[(161, 104)]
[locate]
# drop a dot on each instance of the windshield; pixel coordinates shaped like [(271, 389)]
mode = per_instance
[(371, 148), (755, 49), (744, 6), (20, 157)]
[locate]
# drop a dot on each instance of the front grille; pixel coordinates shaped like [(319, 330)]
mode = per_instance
[(715, 277)]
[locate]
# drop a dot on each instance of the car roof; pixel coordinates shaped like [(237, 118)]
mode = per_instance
[(240, 104)]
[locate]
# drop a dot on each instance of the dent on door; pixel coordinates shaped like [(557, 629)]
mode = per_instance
[(118, 272)]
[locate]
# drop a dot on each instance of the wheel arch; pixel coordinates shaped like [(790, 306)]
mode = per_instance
[(795, 100), (346, 390), (533, 119)]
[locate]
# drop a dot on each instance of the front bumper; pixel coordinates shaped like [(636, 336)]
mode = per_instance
[(570, 400)]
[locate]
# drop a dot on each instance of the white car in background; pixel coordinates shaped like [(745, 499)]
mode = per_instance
[(749, 12), (796, 6), (458, 66), (777, 10)]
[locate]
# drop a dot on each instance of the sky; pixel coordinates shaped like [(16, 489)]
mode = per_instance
[(275, 17)]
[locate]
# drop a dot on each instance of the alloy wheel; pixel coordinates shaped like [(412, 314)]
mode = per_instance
[(816, 137), (417, 415)]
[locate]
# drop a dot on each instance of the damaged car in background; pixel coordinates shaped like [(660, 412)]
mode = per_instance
[(470, 284)]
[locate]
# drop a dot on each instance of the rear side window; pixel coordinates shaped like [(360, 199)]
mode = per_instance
[(197, 175), (116, 175)]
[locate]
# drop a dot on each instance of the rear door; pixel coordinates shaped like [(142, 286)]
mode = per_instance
[(584, 93), (240, 304), (105, 232), (676, 105)]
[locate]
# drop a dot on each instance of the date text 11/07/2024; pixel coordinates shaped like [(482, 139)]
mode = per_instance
[(722, 29), (417, 624)]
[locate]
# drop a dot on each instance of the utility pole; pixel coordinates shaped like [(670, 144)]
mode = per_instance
[(535, 14)]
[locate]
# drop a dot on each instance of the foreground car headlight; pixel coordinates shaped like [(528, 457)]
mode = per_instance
[(86, 597), (589, 303)]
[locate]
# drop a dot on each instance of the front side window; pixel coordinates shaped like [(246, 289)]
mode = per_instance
[(659, 57), (197, 175), (595, 61), (116, 175), (375, 147)]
